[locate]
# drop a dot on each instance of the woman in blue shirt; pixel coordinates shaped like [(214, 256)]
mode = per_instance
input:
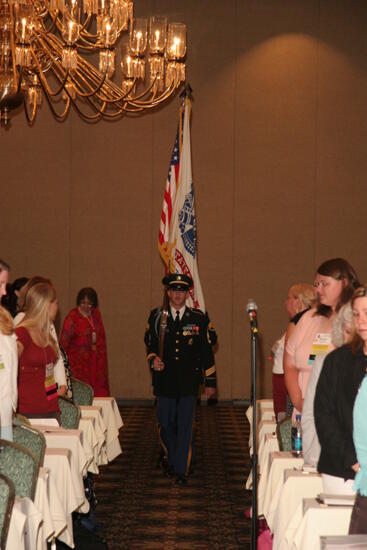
[(358, 522)]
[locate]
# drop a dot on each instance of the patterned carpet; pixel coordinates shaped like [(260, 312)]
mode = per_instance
[(143, 510)]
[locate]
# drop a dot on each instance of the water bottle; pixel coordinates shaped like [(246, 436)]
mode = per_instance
[(297, 437)]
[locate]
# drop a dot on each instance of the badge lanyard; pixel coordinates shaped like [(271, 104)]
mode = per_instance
[(94, 334), (50, 384)]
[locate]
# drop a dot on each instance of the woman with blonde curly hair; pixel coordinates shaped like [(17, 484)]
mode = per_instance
[(8, 362), (38, 352), (299, 299)]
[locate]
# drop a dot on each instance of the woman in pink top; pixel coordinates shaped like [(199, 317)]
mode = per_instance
[(335, 282)]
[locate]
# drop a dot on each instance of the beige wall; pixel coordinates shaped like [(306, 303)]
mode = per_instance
[(279, 159)]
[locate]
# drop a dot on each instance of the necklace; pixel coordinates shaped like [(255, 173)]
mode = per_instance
[(89, 318)]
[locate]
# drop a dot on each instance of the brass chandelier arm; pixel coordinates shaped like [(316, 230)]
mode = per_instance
[(154, 102), (62, 78), (118, 96), (60, 117), (84, 27), (30, 118), (89, 118), (93, 86), (91, 91), (110, 92), (93, 38), (54, 23), (120, 112)]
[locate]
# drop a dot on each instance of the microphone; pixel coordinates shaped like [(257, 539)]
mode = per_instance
[(251, 309)]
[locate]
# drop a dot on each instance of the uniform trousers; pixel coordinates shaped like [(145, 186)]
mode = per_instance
[(175, 417)]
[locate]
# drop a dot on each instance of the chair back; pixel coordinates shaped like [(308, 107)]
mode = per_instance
[(70, 414), (20, 465), (7, 495), (284, 434), (82, 393), (20, 420), (32, 439)]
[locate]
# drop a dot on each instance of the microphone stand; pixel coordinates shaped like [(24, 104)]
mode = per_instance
[(254, 338)]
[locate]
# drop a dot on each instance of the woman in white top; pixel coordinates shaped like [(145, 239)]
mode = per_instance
[(8, 362), (300, 298), (340, 335)]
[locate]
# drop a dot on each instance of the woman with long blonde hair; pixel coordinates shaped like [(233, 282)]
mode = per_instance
[(60, 373), (38, 352), (8, 362)]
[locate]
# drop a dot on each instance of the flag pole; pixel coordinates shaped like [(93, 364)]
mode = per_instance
[(186, 92)]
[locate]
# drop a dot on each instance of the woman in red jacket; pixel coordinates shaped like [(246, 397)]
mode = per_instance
[(83, 339)]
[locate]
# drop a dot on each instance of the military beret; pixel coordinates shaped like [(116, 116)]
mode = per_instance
[(177, 281)]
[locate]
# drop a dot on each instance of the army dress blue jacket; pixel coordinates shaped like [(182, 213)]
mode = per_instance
[(188, 355)]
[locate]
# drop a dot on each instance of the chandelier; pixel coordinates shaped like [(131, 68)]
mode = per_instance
[(66, 52)]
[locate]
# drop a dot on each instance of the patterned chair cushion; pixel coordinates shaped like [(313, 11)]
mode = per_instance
[(21, 466), (31, 439), (82, 393), (7, 495), (70, 414), (284, 433)]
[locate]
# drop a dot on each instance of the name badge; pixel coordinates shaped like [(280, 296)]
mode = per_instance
[(50, 384), (320, 346), (323, 339)]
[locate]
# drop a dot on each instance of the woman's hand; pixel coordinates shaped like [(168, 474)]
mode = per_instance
[(61, 390), (356, 467)]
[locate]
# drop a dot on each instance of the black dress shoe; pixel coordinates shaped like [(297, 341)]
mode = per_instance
[(181, 479)]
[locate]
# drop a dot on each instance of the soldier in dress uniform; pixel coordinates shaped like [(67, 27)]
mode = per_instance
[(187, 362)]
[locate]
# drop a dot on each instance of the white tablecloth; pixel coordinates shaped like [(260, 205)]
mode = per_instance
[(42, 503), (270, 485), (100, 427), (79, 461), (87, 426), (320, 520), (268, 445), (265, 425), (64, 496), (113, 421), (297, 486), (264, 411), (25, 524), (16, 529)]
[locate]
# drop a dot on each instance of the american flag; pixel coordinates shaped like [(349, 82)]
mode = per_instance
[(169, 197), (177, 231)]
